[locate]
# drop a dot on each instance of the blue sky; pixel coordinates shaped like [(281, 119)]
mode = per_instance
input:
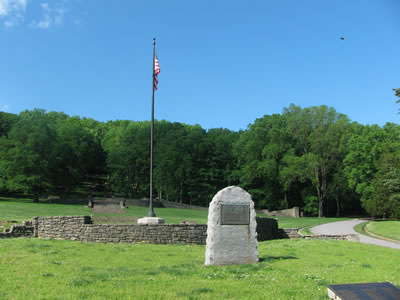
[(223, 63)]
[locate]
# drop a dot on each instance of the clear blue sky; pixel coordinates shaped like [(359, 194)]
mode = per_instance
[(223, 63)]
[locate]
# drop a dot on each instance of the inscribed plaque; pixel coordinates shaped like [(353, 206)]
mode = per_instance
[(364, 291), (235, 214)]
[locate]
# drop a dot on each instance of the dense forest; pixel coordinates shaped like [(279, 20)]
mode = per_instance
[(314, 158)]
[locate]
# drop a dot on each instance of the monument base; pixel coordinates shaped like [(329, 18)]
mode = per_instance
[(150, 221)]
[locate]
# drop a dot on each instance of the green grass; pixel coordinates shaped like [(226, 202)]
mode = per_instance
[(359, 228), (24, 209), (289, 269), (176, 215), (288, 222), (170, 215), (20, 209), (387, 229)]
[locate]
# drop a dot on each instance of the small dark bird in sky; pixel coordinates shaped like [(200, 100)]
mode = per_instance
[(342, 38)]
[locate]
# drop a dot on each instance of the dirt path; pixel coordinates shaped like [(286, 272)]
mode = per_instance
[(347, 227)]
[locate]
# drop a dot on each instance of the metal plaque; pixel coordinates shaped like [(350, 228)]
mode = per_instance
[(235, 214), (364, 291)]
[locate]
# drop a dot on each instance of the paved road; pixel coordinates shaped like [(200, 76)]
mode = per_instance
[(346, 227)]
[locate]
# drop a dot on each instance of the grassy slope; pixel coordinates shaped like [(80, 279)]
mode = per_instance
[(289, 269), (24, 209), (388, 229)]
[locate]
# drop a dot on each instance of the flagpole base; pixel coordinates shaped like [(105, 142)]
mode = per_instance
[(150, 221)]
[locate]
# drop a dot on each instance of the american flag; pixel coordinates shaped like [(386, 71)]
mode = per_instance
[(156, 72)]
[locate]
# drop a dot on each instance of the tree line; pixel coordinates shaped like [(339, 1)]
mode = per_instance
[(314, 158)]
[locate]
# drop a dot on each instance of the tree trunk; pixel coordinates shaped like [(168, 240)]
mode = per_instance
[(320, 202), (337, 207), (321, 188), (320, 209), (35, 198), (286, 201), (181, 194)]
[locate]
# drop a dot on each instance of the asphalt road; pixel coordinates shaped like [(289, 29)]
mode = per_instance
[(346, 227)]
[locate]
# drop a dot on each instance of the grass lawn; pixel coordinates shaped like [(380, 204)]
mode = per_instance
[(288, 222), (387, 229), (20, 209), (289, 269), (359, 228), (24, 209), (170, 215)]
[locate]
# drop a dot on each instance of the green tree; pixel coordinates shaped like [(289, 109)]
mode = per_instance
[(260, 151), (169, 169), (127, 146), (7, 121), (291, 173), (222, 164), (319, 134), (77, 153), (27, 154), (46, 152), (365, 148), (385, 200), (397, 94)]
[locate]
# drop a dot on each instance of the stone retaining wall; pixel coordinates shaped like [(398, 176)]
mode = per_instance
[(24, 230), (289, 233), (294, 233), (344, 237), (82, 229), (293, 212)]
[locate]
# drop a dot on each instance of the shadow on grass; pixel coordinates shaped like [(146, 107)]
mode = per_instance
[(274, 258)]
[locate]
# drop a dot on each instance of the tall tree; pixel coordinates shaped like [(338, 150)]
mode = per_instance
[(7, 121), (28, 154), (385, 200), (127, 148), (397, 94), (169, 152), (365, 148), (318, 133), (222, 165), (259, 152)]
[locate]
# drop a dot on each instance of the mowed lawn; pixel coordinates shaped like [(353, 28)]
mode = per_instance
[(24, 209), (288, 269), (20, 209), (387, 229), (288, 222)]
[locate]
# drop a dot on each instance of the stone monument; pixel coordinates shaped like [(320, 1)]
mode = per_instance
[(231, 231)]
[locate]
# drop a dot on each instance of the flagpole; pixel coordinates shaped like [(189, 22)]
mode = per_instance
[(151, 210)]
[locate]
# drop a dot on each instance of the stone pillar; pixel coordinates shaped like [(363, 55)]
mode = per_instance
[(231, 231)]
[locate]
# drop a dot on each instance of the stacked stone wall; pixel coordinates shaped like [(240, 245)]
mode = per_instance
[(82, 229), (291, 212), (337, 237), (294, 233), (24, 230)]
